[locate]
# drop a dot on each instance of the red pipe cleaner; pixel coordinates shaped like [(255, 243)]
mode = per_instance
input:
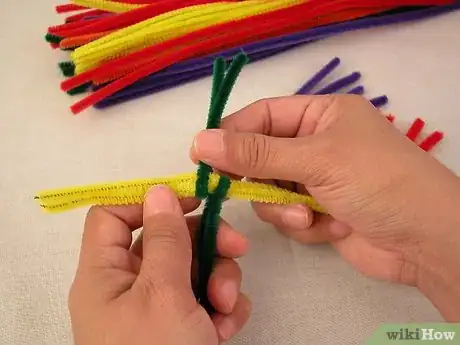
[(390, 118), (57, 29), (431, 141), (414, 132), (415, 129), (68, 8)]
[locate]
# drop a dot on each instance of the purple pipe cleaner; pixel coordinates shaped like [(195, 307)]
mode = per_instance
[(318, 77), (358, 90), (380, 101), (339, 84)]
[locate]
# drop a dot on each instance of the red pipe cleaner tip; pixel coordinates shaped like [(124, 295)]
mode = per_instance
[(431, 141), (390, 118), (68, 8), (415, 130)]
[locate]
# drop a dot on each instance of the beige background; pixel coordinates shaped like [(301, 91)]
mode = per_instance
[(302, 295)]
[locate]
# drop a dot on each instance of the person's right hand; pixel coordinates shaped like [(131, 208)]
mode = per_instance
[(392, 207)]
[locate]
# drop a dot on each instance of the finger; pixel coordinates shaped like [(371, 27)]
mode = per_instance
[(259, 156), (323, 230), (132, 214), (107, 237), (227, 326), (167, 250), (230, 243), (301, 224), (291, 218), (196, 160), (224, 285), (106, 269), (285, 117)]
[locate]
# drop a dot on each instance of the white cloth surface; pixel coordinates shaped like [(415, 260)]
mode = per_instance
[(301, 294)]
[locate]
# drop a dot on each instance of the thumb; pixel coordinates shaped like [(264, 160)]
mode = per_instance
[(260, 156), (167, 250)]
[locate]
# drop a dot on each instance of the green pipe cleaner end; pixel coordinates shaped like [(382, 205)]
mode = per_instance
[(67, 68), (50, 38), (79, 89), (220, 65), (222, 85), (226, 86)]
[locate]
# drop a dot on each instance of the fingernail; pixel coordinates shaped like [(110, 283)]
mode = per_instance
[(159, 199), (296, 217), (226, 328), (229, 291), (209, 144)]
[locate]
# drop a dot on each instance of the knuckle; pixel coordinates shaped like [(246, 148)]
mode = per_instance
[(161, 233), (328, 100), (255, 152), (262, 105), (344, 102), (264, 108)]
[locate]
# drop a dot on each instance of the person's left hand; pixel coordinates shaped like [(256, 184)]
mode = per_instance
[(141, 293)]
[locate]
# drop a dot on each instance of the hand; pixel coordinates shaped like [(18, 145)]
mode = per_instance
[(142, 294), (391, 206)]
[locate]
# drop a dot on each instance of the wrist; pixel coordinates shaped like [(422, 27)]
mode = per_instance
[(440, 283), (438, 276)]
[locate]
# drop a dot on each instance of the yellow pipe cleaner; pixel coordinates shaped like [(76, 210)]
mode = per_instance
[(133, 192), (109, 6), (167, 26), (135, 34)]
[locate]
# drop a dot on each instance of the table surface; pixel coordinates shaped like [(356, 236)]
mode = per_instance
[(301, 294)]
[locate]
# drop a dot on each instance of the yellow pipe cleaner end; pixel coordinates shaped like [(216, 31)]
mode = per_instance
[(109, 6), (133, 192)]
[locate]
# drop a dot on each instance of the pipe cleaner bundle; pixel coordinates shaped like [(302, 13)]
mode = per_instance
[(121, 50)]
